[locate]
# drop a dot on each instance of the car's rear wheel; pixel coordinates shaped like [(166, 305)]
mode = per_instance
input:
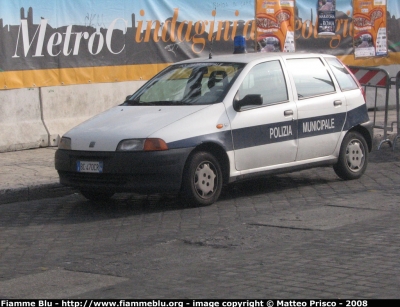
[(202, 180), (353, 157), (96, 195)]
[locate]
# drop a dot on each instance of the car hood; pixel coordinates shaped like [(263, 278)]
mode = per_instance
[(107, 129)]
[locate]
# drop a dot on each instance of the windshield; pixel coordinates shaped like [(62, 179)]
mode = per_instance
[(187, 84)]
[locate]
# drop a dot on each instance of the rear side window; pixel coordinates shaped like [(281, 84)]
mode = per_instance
[(266, 79), (344, 78), (310, 77)]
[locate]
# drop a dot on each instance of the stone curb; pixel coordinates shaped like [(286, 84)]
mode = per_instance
[(34, 193)]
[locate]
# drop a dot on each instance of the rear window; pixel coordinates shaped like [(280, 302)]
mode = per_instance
[(310, 77), (344, 78)]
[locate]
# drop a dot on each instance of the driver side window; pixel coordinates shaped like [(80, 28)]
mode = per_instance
[(265, 79)]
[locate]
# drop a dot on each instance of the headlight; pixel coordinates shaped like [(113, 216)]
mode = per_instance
[(131, 145), (142, 145), (65, 143)]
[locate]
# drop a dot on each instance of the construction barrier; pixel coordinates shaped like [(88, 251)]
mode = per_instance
[(38, 117), (376, 79), (21, 120), (64, 107)]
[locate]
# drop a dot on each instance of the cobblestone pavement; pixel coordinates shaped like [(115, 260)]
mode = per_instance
[(301, 235)]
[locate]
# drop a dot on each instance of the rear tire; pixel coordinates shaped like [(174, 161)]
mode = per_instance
[(202, 180), (95, 195), (353, 157)]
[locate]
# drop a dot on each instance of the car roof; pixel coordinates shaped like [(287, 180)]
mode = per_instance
[(255, 56)]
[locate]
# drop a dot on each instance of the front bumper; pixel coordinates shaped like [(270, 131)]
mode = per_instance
[(140, 172)]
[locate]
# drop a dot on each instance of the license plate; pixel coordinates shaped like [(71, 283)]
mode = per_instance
[(89, 166)]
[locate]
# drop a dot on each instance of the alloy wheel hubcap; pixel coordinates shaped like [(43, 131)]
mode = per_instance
[(204, 180), (355, 155)]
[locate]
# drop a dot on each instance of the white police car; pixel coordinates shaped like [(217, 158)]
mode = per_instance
[(204, 123)]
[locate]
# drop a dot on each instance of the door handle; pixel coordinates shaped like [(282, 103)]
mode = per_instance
[(288, 113), (337, 103)]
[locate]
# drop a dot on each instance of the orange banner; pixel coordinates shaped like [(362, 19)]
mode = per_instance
[(370, 35), (275, 25)]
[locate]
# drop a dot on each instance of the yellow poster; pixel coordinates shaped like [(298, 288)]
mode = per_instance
[(275, 25), (369, 22)]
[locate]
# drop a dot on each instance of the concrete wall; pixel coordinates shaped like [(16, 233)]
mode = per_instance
[(38, 117)]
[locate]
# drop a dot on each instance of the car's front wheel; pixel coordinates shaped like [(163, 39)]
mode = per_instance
[(202, 179), (353, 157), (95, 195)]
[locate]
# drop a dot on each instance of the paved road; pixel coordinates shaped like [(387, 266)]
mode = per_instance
[(301, 235)]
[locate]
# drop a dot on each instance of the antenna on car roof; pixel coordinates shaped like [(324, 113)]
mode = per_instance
[(210, 54), (212, 40)]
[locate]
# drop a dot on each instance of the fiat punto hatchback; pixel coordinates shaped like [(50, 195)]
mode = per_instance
[(204, 123)]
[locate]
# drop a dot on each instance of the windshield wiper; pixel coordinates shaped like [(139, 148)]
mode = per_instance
[(129, 103), (182, 103), (137, 103), (170, 103), (156, 103)]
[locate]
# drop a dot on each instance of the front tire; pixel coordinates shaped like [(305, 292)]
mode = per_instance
[(353, 157), (202, 179)]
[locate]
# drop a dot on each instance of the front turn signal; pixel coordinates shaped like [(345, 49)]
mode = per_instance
[(154, 145)]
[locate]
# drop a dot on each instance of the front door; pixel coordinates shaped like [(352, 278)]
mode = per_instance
[(264, 135)]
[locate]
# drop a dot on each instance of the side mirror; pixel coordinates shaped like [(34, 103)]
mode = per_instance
[(248, 100)]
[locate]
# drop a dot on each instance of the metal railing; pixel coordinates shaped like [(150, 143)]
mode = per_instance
[(396, 81)]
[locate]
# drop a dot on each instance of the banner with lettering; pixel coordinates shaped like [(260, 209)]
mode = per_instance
[(85, 41), (275, 26), (370, 28), (65, 42)]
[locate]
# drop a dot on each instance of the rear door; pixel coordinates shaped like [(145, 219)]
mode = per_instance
[(321, 108)]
